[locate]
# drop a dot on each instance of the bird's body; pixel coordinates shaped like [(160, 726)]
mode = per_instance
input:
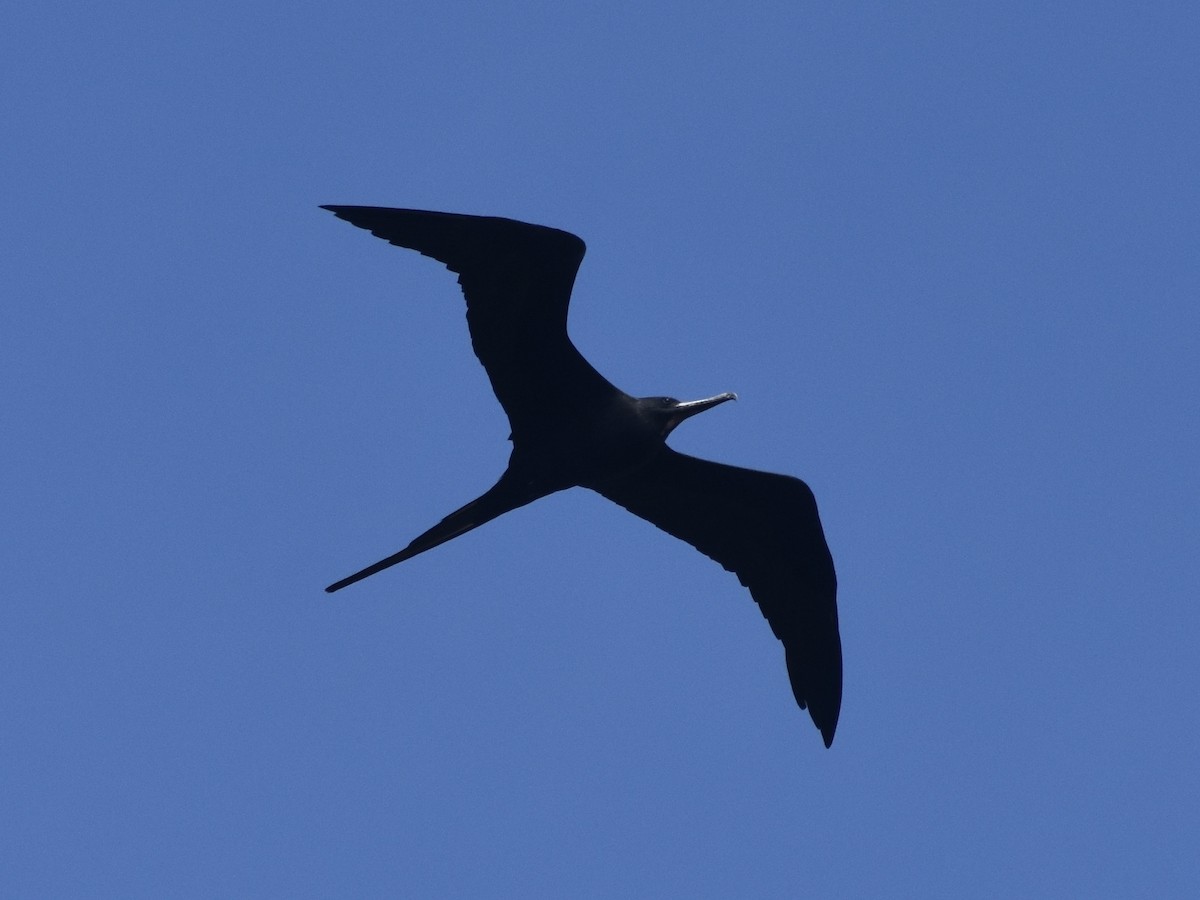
[(571, 427)]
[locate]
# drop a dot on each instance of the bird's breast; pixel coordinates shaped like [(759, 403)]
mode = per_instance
[(589, 446)]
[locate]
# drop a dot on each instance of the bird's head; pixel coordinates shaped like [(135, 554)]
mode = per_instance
[(667, 412)]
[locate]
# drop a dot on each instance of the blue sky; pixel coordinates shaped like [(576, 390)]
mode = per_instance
[(945, 254)]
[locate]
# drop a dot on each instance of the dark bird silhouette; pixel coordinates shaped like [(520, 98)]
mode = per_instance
[(571, 427)]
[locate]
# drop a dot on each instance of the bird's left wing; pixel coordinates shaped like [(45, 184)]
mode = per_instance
[(765, 529), (517, 280)]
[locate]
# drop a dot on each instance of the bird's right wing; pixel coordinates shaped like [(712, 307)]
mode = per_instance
[(765, 529), (517, 280)]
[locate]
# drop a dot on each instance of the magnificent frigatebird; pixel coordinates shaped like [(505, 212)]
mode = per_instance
[(571, 427)]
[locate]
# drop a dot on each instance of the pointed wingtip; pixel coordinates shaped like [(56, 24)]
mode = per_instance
[(823, 705), (827, 726), (341, 210)]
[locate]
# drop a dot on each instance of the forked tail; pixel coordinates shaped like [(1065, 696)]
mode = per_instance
[(500, 498)]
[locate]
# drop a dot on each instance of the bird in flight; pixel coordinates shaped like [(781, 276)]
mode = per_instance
[(572, 428)]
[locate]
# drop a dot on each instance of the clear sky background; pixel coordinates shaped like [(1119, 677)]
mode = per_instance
[(946, 254)]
